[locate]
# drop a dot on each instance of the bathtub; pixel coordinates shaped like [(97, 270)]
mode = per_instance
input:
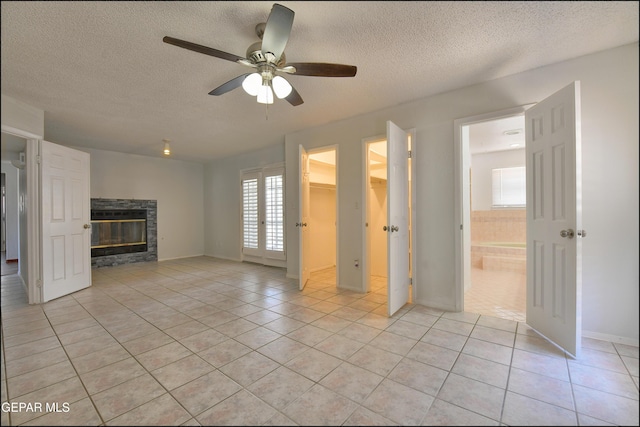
[(502, 256)]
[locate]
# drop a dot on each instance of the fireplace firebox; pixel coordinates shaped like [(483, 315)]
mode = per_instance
[(126, 230), (118, 231)]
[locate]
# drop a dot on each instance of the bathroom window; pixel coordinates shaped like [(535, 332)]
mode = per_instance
[(509, 188)]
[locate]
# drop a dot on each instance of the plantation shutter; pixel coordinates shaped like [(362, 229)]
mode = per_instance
[(250, 218), (274, 213)]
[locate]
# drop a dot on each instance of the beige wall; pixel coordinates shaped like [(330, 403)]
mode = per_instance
[(377, 220), (322, 227)]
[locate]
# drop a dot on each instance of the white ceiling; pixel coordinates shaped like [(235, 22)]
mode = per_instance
[(105, 79), (497, 135)]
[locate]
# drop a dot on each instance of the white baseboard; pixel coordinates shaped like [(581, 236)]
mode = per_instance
[(610, 338)]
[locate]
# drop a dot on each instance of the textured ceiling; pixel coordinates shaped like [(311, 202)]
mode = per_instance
[(105, 79)]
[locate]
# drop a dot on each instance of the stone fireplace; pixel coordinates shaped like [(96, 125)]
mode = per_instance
[(123, 231)]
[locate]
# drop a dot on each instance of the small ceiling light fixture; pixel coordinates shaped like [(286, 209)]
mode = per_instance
[(167, 149), (512, 132)]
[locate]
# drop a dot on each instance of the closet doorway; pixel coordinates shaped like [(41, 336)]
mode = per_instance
[(389, 218), (376, 214), (322, 254)]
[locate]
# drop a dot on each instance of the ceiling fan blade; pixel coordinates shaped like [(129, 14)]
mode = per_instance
[(202, 49), (322, 69), (229, 86), (277, 30), (294, 97)]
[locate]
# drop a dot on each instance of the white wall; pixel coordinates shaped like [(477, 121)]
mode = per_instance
[(176, 185), (12, 237), (222, 205), (481, 165), (21, 119), (609, 84)]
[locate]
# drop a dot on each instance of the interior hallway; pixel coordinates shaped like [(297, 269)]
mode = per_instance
[(203, 341), (7, 267)]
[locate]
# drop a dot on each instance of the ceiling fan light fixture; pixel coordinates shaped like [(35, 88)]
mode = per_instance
[(252, 83), (281, 87), (265, 94)]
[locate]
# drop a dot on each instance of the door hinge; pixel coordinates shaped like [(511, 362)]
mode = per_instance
[(409, 153), (460, 226), (38, 159), (39, 283), (411, 280)]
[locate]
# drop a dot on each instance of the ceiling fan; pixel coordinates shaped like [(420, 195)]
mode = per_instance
[(268, 59)]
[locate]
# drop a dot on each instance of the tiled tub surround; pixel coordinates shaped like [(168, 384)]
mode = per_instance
[(151, 206), (204, 341), (498, 240)]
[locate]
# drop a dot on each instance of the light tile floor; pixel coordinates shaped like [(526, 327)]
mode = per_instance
[(497, 293), (203, 341)]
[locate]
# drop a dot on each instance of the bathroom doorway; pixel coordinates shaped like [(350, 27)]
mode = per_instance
[(497, 201)]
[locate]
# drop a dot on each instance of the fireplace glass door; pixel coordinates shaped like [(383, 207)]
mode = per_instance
[(117, 233)]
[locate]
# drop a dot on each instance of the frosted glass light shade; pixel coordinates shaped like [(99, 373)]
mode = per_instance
[(251, 84), (167, 149), (265, 95), (281, 87)]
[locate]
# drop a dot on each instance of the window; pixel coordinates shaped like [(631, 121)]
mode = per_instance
[(274, 213), (250, 213), (263, 213), (509, 187)]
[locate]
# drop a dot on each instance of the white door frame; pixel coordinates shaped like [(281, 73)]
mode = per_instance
[(309, 152), (462, 207)]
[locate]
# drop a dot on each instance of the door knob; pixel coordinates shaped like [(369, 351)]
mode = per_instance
[(568, 233), (87, 226), (385, 228)]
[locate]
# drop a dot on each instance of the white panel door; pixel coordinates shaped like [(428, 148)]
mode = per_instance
[(66, 221), (303, 226), (554, 218), (397, 218)]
